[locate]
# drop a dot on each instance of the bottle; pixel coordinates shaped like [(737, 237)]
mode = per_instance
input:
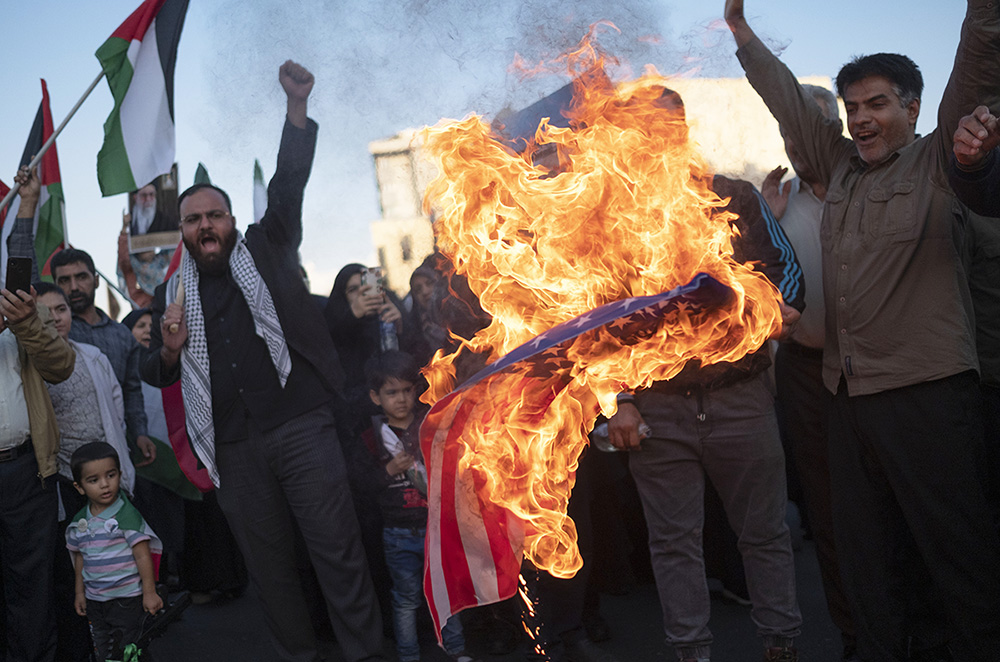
[(600, 439), (387, 336)]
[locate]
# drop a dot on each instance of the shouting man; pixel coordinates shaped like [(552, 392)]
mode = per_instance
[(258, 371)]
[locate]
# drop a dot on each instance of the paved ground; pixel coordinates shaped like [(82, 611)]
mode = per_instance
[(236, 630)]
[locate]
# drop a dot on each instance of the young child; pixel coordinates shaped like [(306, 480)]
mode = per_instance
[(394, 440), (112, 548)]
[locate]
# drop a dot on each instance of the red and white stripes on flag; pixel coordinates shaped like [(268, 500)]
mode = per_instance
[(472, 549), (138, 60)]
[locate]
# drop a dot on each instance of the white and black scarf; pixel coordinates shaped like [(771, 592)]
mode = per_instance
[(196, 382)]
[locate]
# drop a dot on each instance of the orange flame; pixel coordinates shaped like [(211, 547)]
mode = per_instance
[(629, 213)]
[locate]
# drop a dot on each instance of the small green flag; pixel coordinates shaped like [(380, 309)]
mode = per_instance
[(201, 175)]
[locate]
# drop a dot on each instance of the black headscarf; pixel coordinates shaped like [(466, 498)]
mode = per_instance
[(356, 339), (134, 316)]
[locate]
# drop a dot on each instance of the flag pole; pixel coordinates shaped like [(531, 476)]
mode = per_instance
[(107, 281), (179, 299), (48, 143)]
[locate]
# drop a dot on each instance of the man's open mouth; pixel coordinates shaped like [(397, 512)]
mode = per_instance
[(866, 137)]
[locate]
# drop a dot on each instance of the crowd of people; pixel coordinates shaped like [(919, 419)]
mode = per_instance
[(877, 409)]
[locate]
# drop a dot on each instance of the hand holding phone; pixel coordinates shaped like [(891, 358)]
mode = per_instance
[(18, 274)]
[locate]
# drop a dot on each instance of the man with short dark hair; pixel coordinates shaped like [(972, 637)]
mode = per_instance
[(909, 511), (73, 270), (258, 371)]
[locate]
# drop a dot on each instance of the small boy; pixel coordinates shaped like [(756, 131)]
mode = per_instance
[(394, 439), (112, 548)]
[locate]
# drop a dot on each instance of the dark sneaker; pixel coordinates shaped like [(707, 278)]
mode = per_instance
[(781, 654)]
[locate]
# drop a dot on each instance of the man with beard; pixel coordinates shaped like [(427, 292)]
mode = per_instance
[(258, 372), (74, 272)]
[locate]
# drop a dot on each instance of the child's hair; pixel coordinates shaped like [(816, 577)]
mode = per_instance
[(95, 450), (44, 287), (391, 364)]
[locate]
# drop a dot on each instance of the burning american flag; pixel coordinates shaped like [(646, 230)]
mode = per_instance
[(607, 270)]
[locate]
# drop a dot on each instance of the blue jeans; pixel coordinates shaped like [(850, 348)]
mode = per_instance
[(404, 554)]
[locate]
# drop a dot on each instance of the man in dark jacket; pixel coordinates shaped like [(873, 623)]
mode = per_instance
[(258, 373)]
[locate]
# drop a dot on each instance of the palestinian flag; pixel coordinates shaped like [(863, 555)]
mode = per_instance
[(138, 60), (259, 192), (49, 227), (201, 174)]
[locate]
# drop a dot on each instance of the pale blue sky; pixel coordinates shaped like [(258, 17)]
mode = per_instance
[(385, 66)]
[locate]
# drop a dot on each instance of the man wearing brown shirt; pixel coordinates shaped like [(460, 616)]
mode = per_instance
[(905, 429)]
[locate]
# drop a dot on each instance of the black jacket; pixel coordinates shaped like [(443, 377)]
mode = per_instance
[(274, 244)]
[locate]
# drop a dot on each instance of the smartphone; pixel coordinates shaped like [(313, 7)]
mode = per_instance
[(18, 274), (372, 276)]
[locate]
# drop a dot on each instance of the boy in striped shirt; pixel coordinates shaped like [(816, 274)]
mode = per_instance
[(112, 548)]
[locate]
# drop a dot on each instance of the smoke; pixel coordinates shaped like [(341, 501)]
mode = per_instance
[(387, 66), (398, 64)]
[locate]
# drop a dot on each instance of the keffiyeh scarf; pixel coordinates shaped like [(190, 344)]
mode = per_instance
[(196, 382)]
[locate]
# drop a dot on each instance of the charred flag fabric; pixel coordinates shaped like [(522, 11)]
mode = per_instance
[(138, 61), (473, 546), (49, 226)]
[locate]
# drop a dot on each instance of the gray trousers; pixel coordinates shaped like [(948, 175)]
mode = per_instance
[(730, 434), (297, 470)]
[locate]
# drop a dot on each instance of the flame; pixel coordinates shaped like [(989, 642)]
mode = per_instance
[(626, 212)]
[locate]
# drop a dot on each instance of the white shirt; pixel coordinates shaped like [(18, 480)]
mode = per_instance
[(801, 222), (15, 427)]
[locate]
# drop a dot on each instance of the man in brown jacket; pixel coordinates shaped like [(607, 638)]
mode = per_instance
[(31, 352), (915, 536)]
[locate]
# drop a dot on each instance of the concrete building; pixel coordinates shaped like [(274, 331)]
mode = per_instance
[(732, 127), (403, 236)]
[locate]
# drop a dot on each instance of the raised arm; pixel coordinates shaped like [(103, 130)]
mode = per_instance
[(737, 23), (297, 83), (819, 140), (51, 355), (283, 219), (974, 173), (975, 76), (21, 241)]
